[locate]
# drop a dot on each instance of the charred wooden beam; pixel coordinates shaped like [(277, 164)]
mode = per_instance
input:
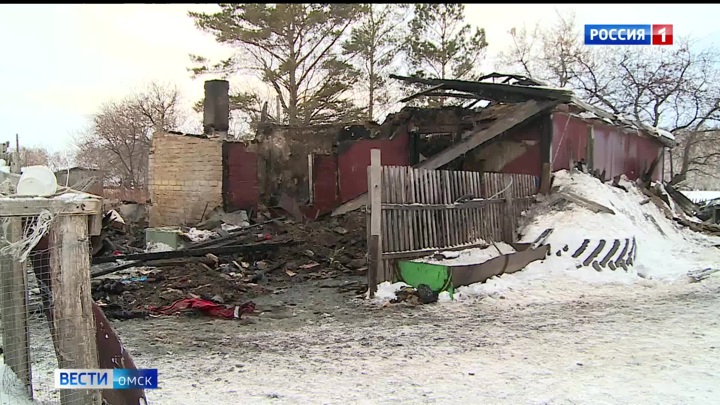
[(439, 129), (449, 94), (521, 114), (250, 247), (150, 263), (421, 93), (520, 80), (493, 91)]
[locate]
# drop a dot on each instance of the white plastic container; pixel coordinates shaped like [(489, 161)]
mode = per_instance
[(37, 181)]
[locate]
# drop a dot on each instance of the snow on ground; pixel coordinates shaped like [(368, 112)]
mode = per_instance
[(557, 340), (469, 256), (228, 227), (531, 283), (12, 391), (551, 333), (665, 250), (566, 343), (386, 291)]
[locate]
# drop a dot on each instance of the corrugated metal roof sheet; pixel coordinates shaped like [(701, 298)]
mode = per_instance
[(515, 93), (590, 112)]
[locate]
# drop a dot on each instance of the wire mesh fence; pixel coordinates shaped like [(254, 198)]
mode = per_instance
[(38, 332)]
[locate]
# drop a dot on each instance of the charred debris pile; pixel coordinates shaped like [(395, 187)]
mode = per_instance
[(227, 259)]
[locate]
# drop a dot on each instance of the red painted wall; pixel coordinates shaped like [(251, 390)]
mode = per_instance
[(569, 141), (615, 151), (341, 179), (354, 158), (240, 177), (325, 185)]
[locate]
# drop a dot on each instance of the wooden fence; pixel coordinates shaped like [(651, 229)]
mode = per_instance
[(64, 265), (414, 212)]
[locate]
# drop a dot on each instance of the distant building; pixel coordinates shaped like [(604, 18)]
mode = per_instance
[(75, 175)]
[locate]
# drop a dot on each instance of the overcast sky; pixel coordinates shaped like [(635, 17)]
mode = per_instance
[(60, 62)]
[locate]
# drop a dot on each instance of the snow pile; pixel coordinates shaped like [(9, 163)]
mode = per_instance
[(444, 297), (664, 250), (544, 280), (12, 391), (386, 291), (471, 256), (74, 196), (158, 247), (199, 235)]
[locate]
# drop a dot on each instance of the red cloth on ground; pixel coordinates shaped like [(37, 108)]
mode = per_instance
[(208, 307)]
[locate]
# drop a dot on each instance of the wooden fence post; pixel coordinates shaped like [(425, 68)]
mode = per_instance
[(510, 220), (375, 240), (14, 310), (73, 319), (545, 179), (590, 148), (311, 182)]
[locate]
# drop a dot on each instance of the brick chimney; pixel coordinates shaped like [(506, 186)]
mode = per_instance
[(216, 114)]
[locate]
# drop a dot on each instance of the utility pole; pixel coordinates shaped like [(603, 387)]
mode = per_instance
[(15, 157)]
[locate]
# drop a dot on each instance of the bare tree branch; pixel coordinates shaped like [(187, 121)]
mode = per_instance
[(119, 136)]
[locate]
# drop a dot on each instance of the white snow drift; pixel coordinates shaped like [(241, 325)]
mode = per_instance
[(665, 251)]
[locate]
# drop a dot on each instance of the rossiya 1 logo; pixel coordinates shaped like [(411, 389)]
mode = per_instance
[(628, 34)]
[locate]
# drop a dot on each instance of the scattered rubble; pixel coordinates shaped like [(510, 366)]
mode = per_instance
[(423, 294), (229, 259), (226, 261), (121, 234)]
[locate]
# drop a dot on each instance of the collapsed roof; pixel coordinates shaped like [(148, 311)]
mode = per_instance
[(511, 100), (481, 90), (508, 88)]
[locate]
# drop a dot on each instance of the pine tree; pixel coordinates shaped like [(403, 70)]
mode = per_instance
[(440, 45), (374, 44), (294, 48)]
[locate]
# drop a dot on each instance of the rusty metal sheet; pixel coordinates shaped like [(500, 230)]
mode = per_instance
[(325, 184), (112, 354), (240, 178), (505, 264)]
